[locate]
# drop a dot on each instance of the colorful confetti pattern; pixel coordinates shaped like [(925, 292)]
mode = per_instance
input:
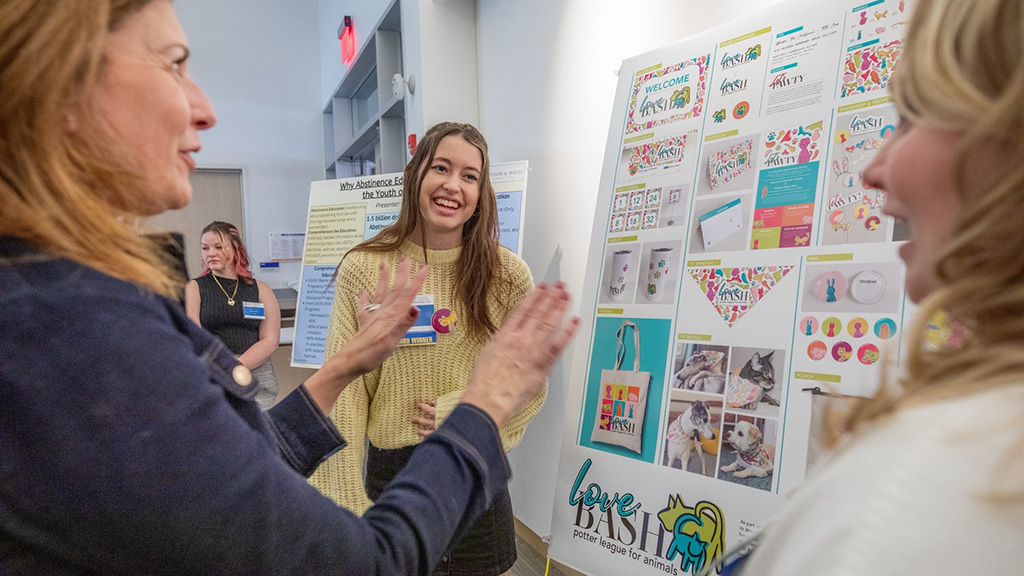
[(660, 154), (870, 68), (734, 291), (727, 164), (792, 146)]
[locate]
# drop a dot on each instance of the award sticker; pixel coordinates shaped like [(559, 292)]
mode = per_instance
[(422, 332)]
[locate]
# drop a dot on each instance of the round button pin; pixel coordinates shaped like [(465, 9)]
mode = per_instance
[(829, 286), (242, 375), (867, 287)]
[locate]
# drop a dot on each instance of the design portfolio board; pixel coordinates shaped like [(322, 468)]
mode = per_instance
[(738, 263)]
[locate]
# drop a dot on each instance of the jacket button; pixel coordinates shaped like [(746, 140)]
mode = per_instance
[(241, 375)]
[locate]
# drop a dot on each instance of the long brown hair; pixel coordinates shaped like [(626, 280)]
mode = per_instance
[(478, 269), (963, 70), (65, 184)]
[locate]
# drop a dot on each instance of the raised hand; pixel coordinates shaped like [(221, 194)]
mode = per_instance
[(514, 365), (381, 324)]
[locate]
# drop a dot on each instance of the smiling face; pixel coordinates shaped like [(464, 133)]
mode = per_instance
[(218, 254), (150, 104), (449, 193), (915, 169)]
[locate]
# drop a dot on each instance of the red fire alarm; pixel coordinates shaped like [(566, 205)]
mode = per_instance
[(347, 37), (412, 144)]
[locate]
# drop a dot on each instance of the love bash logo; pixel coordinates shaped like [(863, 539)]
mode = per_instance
[(677, 540), (738, 59)]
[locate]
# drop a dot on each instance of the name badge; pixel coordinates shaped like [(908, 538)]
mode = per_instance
[(422, 332), (253, 311)]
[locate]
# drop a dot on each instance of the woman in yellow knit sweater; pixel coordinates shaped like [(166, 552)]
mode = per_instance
[(449, 221)]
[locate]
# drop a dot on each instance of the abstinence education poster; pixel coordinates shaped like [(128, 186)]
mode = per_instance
[(344, 212), (735, 235)]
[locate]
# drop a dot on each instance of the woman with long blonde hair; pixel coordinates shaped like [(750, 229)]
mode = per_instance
[(928, 481)]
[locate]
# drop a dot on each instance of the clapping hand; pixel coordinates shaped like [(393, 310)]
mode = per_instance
[(514, 365), (382, 323)]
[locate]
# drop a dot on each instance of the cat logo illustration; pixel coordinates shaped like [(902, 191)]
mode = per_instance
[(444, 320), (698, 534)]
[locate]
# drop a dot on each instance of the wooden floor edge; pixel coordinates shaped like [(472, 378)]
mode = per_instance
[(541, 547)]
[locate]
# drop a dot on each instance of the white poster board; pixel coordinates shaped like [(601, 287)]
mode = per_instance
[(344, 212), (733, 230)]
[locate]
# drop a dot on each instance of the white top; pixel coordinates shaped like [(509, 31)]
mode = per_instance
[(908, 497)]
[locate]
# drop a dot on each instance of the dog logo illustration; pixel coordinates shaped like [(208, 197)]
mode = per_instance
[(698, 533)]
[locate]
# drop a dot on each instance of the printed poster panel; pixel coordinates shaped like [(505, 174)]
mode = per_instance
[(343, 213), (734, 231)]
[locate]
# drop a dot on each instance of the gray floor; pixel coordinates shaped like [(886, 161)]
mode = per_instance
[(529, 562)]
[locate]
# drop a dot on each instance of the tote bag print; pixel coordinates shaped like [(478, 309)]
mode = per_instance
[(623, 398)]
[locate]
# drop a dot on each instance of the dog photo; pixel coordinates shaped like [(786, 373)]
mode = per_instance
[(748, 451), (700, 368), (692, 437), (751, 384)]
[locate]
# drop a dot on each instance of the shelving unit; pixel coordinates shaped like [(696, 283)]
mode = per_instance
[(364, 123)]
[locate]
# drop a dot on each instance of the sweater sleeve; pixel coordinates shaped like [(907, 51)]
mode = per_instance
[(340, 477), (502, 304)]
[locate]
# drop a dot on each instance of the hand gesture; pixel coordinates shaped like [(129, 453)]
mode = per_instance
[(514, 365), (381, 325), (383, 322)]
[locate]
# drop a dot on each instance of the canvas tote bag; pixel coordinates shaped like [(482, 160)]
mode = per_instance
[(622, 398)]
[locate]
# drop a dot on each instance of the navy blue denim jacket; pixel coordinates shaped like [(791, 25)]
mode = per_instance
[(127, 448)]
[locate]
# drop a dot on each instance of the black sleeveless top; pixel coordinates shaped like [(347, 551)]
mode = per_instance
[(228, 322)]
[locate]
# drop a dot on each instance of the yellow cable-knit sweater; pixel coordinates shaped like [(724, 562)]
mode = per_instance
[(380, 405)]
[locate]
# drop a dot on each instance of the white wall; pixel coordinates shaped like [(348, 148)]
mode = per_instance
[(259, 64), (547, 84)]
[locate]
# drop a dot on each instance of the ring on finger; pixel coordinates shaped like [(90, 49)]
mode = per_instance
[(371, 307)]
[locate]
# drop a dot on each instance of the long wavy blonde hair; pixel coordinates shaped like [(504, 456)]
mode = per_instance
[(963, 70), (65, 183)]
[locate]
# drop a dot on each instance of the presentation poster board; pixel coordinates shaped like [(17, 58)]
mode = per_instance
[(344, 212), (734, 234)]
